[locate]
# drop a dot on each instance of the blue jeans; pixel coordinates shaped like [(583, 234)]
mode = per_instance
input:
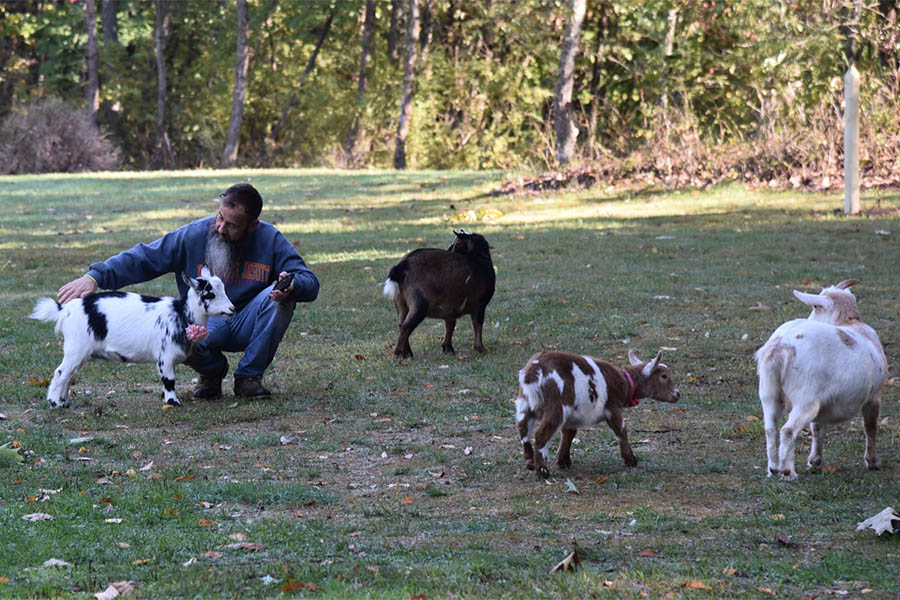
[(256, 330)]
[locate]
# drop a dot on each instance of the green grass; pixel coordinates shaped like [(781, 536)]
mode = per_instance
[(405, 478)]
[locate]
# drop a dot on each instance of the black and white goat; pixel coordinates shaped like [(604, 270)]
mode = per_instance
[(822, 370), (558, 390), (131, 328), (443, 284)]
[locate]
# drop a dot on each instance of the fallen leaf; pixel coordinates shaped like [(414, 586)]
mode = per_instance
[(55, 562), (80, 440), (238, 537), (189, 562), (766, 591), (468, 450), (570, 487), (647, 552), (147, 467), (4, 579), (887, 520), (116, 589), (248, 546), (829, 469), (759, 307), (728, 571), (784, 539), (407, 500), (112, 521), (142, 561), (285, 440), (184, 478), (10, 455), (213, 554), (204, 522), (694, 584), (568, 563), (38, 382), (38, 517), (601, 479)]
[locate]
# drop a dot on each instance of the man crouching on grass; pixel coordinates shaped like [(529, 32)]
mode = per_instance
[(249, 255)]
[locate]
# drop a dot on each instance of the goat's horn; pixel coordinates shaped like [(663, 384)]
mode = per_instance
[(846, 283)]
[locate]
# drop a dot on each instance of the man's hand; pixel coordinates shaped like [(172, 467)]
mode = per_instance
[(279, 295), (79, 288)]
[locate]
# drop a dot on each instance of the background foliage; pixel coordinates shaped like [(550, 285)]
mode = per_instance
[(757, 81)]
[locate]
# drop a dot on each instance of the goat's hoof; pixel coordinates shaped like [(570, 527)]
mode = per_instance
[(529, 465), (773, 471), (173, 403), (448, 350), (564, 464), (874, 466), (480, 349), (788, 475), (542, 473), (630, 461), (401, 353)]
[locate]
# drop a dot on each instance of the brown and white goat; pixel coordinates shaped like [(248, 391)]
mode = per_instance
[(558, 390), (823, 369), (442, 284)]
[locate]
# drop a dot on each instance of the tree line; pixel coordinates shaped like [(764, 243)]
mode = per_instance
[(457, 83)]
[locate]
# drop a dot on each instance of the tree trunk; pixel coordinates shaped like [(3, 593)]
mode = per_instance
[(409, 76), (606, 24), (229, 156), (566, 131), (160, 32), (93, 91), (273, 135), (368, 37), (394, 33), (110, 20)]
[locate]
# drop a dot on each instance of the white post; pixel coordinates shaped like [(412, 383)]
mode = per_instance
[(851, 141)]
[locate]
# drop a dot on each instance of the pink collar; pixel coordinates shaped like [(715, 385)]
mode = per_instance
[(632, 391)]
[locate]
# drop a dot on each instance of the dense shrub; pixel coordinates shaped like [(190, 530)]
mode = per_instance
[(50, 136)]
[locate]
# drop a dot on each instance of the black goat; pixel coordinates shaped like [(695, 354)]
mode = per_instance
[(442, 284)]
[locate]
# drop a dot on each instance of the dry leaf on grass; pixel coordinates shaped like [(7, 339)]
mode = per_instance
[(55, 562), (570, 487), (248, 546), (38, 517), (568, 563), (296, 586), (116, 589), (212, 554), (887, 520), (695, 584)]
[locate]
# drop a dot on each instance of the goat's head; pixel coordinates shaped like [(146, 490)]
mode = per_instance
[(211, 296), (835, 304), (658, 383), (470, 244)]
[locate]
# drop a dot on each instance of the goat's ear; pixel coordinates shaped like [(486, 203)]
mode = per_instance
[(812, 299), (846, 283), (633, 358), (205, 272), (191, 283), (648, 368)]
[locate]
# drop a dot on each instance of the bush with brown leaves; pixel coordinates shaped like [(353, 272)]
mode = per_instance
[(49, 136)]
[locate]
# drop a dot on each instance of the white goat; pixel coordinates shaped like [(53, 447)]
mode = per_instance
[(131, 328), (824, 369)]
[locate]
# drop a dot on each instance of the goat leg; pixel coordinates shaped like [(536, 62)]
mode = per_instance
[(447, 342), (166, 370), (816, 437), (564, 455), (870, 413), (477, 326), (416, 315), (525, 423), (546, 429), (616, 422)]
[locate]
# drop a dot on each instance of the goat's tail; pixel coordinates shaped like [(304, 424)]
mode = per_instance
[(396, 276), (46, 309)]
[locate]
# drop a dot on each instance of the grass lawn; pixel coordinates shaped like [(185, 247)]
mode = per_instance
[(366, 476)]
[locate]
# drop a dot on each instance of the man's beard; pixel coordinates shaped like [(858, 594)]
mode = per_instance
[(223, 258)]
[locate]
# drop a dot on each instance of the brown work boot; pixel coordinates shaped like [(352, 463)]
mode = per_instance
[(209, 387), (251, 387)]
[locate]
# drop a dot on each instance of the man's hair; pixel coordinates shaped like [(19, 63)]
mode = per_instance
[(245, 196)]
